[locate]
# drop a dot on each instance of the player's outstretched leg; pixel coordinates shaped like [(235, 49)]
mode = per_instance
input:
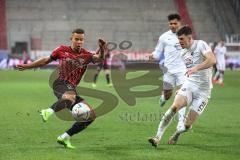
[(77, 127), (181, 118), (190, 119), (65, 101), (179, 101), (58, 106), (165, 121)]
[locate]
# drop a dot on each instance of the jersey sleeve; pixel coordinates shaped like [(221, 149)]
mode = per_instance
[(215, 49), (89, 56), (204, 48), (56, 53), (158, 49), (225, 50)]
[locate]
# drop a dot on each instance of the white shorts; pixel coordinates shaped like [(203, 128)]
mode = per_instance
[(195, 97), (170, 81), (221, 66)]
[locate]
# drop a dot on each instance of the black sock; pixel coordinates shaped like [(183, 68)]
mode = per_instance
[(95, 78), (78, 127), (108, 78), (61, 104), (78, 99)]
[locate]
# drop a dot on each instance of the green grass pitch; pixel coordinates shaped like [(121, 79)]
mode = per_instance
[(120, 134)]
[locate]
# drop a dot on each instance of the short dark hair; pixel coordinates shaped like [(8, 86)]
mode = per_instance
[(78, 31), (174, 16), (186, 30), (222, 39)]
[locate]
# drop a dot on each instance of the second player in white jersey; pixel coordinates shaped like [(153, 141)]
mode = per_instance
[(168, 52), (169, 49), (168, 45)]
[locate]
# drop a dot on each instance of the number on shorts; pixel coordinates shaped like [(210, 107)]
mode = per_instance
[(201, 107)]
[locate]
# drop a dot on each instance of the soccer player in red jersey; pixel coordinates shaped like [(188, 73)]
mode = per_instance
[(73, 61), (104, 65)]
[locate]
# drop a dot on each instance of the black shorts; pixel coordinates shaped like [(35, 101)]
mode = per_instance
[(61, 86), (104, 66)]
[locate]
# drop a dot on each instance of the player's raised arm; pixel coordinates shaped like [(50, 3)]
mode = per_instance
[(38, 63), (102, 50), (209, 61)]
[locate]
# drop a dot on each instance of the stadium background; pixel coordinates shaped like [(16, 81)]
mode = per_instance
[(30, 29)]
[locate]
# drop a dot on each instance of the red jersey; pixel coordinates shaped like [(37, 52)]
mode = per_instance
[(72, 65), (107, 56)]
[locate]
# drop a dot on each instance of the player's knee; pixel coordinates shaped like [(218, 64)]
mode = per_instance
[(71, 97), (174, 109), (176, 106), (167, 94), (188, 126)]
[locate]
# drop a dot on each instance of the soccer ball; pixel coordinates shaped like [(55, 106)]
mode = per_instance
[(81, 112)]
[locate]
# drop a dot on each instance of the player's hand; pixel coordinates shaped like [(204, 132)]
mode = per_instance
[(150, 57), (22, 67), (191, 71)]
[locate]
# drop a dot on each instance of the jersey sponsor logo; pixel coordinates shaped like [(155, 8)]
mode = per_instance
[(178, 46), (189, 62), (78, 63)]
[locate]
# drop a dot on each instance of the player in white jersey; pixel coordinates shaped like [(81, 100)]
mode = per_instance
[(196, 90), (172, 65), (220, 51)]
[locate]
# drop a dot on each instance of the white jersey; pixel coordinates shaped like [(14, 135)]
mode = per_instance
[(192, 57), (168, 45), (220, 52)]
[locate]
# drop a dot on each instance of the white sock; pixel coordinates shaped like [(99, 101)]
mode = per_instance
[(181, 115), (163, 98), (165, 121), (64, 135), (221, 78), (181, 130), (181, 118), (50, 110)]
